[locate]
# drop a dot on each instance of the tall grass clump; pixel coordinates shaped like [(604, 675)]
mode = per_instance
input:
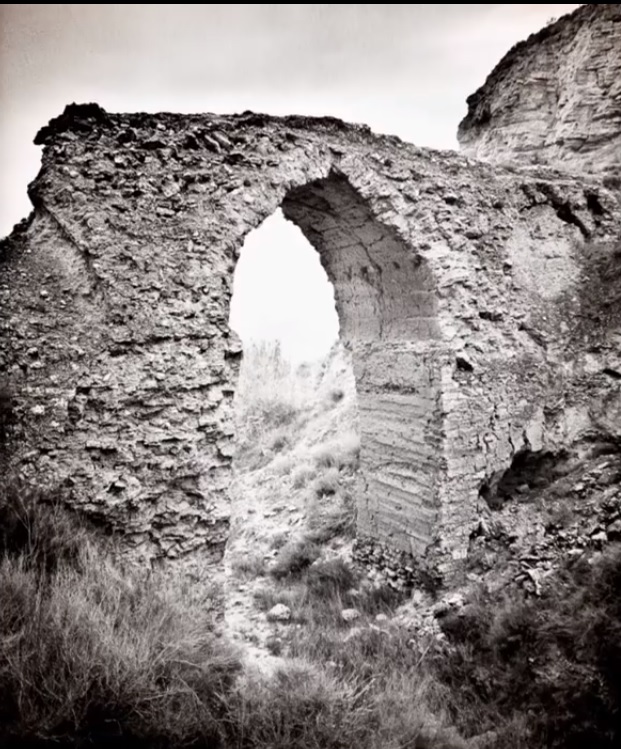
[(88, 651)]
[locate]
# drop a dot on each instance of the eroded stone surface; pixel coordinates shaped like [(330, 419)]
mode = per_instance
[(555, 98), (479, 305)]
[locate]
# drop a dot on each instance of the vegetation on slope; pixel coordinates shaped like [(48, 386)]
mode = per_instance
[(94, 653), (91, 651)]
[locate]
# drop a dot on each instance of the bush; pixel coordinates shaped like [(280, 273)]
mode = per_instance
[(299, 707), (341, 453), (302, 475), (338, 518), (293, 558), (248, 565), (83, 651), (94, 655), (327, 483), (7, 413), (552, 664), (329, 578)]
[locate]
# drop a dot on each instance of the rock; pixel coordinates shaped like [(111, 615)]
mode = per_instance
[(353, 633), (350, 615), (483, 528), (453, 602), (535, 577), (613, 531), (600, 537), (554, 97), (279, 613)]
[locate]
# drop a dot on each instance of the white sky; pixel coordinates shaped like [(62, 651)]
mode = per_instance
[(401, 68)]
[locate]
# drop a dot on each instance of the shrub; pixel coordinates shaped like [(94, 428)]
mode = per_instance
[(552, 663), (337, 519), (326, 579), (302, 475), (337, 395), (282, 465), (299, 707), (326, 484), (379, 599), (294, 557), (278, 540), (248, 565), (7, 413), (85, 651), (341, 453), (280, 439)]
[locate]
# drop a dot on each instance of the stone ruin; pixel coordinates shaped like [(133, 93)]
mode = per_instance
[(479, 303)]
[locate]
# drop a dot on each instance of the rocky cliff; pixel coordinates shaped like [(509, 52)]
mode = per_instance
[(555, 98)]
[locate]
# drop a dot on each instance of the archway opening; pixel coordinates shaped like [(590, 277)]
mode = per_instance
[(385, 297), (296, 421)]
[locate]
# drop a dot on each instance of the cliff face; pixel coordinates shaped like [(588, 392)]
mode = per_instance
[(555, 98), (478, 304)]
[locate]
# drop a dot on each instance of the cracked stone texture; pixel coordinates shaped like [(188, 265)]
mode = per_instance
[(480, 305), (554, 98)]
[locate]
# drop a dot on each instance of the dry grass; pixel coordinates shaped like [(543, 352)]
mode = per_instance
[(302, 476), (295, 556), (90, 651), (341, 453), (327, 483), (376, 673), (248, 565)]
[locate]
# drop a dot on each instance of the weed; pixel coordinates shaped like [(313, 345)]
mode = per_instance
[(35, 525), (325, 579), (278, 540), (302, 476), (338, 519), (294, 557), (342, 453), (249, 565), (327, 483), (282, 465), (280, 439), (337, 395)]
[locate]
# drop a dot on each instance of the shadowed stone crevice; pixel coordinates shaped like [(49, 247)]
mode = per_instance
[(528, 471)]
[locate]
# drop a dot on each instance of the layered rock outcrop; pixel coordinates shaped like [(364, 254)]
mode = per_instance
[(479, 304), (554, 98)]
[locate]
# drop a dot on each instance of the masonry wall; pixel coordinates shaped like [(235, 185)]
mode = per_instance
[(458, 287)]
